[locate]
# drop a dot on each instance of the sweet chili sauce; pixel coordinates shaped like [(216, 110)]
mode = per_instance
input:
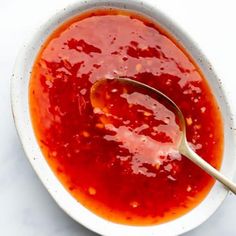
[(119, 161)]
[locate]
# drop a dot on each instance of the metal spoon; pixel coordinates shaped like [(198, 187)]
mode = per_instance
[(183, 146)]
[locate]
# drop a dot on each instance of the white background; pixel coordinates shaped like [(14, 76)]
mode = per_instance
[(26, 209)]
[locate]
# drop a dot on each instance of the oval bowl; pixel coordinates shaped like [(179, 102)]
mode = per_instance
[(20, 107)]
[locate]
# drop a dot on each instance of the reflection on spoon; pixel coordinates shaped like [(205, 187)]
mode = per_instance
[(142, 126)]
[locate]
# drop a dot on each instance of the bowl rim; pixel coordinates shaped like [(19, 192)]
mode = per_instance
[(20, 110)]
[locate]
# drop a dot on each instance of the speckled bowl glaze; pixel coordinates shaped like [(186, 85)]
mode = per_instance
[(20, 107)]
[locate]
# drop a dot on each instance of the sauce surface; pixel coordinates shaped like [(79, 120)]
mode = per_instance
[(119, 161)]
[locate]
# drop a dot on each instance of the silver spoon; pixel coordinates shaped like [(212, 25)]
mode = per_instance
[(183, 146)]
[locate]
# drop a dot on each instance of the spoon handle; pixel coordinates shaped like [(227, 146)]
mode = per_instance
[(190, 154)]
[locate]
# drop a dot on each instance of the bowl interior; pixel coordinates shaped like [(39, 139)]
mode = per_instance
[(20, 106)]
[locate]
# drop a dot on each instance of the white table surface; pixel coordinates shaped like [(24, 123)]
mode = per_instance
[(26, 209)]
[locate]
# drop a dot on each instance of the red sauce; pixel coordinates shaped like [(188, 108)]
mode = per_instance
[(119, 163)]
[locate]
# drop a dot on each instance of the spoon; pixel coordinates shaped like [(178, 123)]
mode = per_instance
[(182, 146)]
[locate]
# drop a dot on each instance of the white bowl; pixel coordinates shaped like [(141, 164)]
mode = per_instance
[(20, 106)]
